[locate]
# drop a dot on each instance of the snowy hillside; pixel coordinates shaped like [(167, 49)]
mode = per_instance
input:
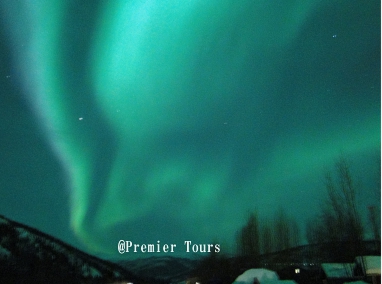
[(27, 254)]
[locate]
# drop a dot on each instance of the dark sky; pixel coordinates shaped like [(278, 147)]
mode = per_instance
[(171, 120)]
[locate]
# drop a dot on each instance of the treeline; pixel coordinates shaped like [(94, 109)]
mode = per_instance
[(335, 234), (267, 235), (338, 221)]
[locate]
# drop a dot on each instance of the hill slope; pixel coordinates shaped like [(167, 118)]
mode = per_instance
[(28, 255)]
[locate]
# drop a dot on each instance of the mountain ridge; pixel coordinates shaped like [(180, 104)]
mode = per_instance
[(28, 254)]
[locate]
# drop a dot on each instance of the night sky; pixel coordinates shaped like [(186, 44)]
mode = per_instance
[(171, 120)]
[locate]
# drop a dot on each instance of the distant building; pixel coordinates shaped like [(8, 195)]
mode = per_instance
[(338, 273), (366, 268), (369, 267)]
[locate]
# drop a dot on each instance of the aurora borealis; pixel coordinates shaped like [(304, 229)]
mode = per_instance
[(170, 120)]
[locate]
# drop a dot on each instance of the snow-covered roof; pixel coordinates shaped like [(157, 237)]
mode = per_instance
[(371, 264), (338, 270), (281, 282), (262, 275)]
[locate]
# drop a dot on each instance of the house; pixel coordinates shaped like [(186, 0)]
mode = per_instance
[(338, 273), (369, 267), (366, 268)]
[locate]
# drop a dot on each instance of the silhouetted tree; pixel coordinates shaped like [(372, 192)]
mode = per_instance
[(295, 236), (339, 220), (374, 217), (345, 218), (280, 233), (267, 243), (248, 237), (374, 222), (312, 229), (282, 230)]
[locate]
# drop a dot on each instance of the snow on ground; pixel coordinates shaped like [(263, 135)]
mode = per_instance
[(3, 221), (4, 253), (23, 234)]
